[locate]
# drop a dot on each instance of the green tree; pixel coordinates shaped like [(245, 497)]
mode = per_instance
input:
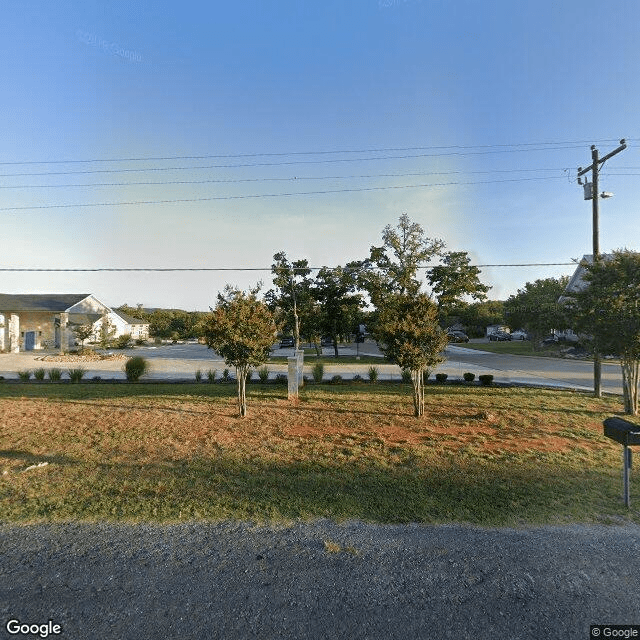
[(335, 290), (293, 292), (83, 332), (393, 267), (241, 329), (535, 308), (454, 280), (408, 334), (106, 331), (477, 316), (607, 309)]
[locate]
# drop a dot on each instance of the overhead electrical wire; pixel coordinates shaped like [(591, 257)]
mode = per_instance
[(565, 144)]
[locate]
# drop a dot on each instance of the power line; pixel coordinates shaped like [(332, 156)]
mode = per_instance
[(279, 164), (288, 179), (552, 144), (269, 195)]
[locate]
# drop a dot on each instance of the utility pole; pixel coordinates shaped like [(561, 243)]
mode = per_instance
[(594, 196)]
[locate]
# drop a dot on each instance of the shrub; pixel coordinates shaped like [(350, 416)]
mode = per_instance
[(406, 376), (425, 375), (211, 375), (24, 375), (198, 376), (38, 374), (76, 374), (135, 367), (486, 379), (55, 374), (357, 378), (123, 342), (318, 372), (373, 374), (441, 377), (469, 377), (281, 378), (249, 375), (337, 379), (226, 376), (263, 374), (140, 341)]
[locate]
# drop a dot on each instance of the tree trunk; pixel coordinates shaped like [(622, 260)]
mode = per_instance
[(418, 393), (241, 374)]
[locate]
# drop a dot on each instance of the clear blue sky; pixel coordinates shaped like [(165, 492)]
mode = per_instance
[(464, 94)]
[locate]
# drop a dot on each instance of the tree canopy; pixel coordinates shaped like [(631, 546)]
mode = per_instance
[(608, 310), (242, 330)]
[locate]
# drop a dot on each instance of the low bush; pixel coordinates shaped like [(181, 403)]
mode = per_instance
[(39, 374), (76, 374), (486, 379), (406, 376), (425, 375), (24, 375), (123, 342), (318, 372), (373, 374), (55, 374), (337, 379), (198, 376), (140, 341), (226, 376), (263, 374), (441, 377), (469, 377), (357, 378), (135, 367), (281, 378), (211, 375)]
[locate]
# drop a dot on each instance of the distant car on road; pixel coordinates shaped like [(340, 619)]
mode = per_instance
[(287, 341), (499, 336), (520, 335), (457, 336)]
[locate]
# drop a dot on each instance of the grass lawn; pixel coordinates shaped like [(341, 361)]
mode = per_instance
[(170, 453)]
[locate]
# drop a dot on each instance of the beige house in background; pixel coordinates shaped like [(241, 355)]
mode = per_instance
[(46, 321)]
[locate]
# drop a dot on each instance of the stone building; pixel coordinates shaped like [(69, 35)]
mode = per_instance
[(46, 321)]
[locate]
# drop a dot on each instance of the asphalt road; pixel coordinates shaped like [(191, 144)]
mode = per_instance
[(319, 580), (180, 361)]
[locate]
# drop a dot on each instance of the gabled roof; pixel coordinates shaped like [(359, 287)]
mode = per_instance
[(129, 319), (40, 302), (577, 282)]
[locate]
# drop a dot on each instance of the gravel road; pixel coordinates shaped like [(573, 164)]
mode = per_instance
[(318, 580)]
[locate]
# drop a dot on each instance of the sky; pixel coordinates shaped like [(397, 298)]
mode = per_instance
[(155, 134)]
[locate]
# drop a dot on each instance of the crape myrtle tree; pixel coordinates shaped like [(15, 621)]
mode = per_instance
[(406, 324), (292, 295), (608, 310), (335, 291), (409, 335), (535, 308), (241, 329)]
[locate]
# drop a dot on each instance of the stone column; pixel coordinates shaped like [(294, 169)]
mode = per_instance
[(292, 378), (14, 333), (64, 339), (300, 364)]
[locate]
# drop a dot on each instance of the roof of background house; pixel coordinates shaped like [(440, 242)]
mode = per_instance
[(577, 282), (40, 302), (129, 319)]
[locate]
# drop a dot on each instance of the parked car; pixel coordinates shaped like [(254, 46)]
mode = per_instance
[(520, 334), (499, 336), (287, 341), (457, 336), (552, 339)]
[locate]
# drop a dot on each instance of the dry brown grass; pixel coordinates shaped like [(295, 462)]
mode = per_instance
[(348, 452)]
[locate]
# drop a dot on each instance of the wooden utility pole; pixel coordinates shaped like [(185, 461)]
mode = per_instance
[(595, 169)]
